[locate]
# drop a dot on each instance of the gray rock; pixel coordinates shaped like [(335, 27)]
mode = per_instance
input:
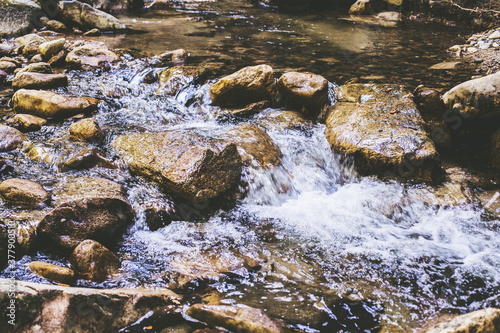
[(86, 17), (18, 17), (476, 98)]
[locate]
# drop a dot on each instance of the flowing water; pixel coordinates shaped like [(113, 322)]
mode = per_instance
[(312, 242)]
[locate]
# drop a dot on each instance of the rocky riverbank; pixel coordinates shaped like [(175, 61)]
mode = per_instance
[(83, 172)]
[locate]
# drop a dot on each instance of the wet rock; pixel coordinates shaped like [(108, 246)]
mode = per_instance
[(90, 56), (447, 65), (174, 55), (159, 216), (361, 7), (37, 67), (86, 17), (47, 104), (29, 38), (481, 321), (380, 127), (94, 261), (59, 309), (26, 122), (304, 91), (48, 49), (86, 208), (5, 167), (36, 59), (235, 318), (248, 85), (3, 76), (7, 66), (18, 17), (255, 146), (389, 16), (86, 159), (58, 59), (39, 81), (174, 79), (56, 26), (476, 98), (52, 272), (246, 111), (93, 32), (26, 239), (282, 120), (4, 245), (33, 46), (6, 49), (23, 192), (184, 164), (87, 130), (10, 138)]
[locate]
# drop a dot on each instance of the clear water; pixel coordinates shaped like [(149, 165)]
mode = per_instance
[(312, 243)]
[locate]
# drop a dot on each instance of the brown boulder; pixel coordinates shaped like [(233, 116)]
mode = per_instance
[(87, 130), (47, 104), (304, 91), (7, 67), (248, 85), (26, 122), (282, 120), (237, 318), (10, 138), (23, 192), (28, 80), (184, 164), (60, 309), (37, 67), (94, 261), (254, 145), (481, 321), (86, 159), (86, 208), (56, 26), (52, 272), (361, 7), (91, 56), (86, 17), (381, 128), (51, 48)]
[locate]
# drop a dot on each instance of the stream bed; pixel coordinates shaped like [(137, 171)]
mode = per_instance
[(312, 242)]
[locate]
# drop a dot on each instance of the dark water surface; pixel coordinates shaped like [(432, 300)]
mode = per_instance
[(312, 243)]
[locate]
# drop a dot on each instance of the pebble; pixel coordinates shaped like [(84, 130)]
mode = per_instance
[(494, 35)]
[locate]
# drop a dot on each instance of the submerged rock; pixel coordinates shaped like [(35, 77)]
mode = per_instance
[(26, 122), (380, 127), (184, 164), (174, 79), (87, 130), (86, 208), (91, 56), (481, 321), (18, 17), (245, 111), (476, 98), (53, 272), (59, 309), (23, 192), (248, 85), (94, 261), (47, 104), (306, 92), (39, 81), (86, 17), (282, 120), (11, 138), (237, 318), (86, 159)]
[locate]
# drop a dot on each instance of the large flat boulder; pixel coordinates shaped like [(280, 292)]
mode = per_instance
[(85, 208), (31, 80), (481, 321), (60, 309), (248, 85), (380, 127), (18, 17), (86, 17), (47, 104), (476, 98), (186, 165)]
